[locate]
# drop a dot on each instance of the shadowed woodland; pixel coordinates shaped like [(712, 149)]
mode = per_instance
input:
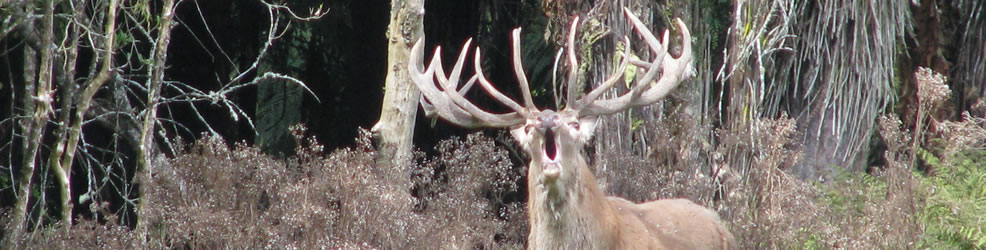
[(262, 124)]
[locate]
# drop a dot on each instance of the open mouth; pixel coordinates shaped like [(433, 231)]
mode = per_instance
[(550, 149), (551, 166)]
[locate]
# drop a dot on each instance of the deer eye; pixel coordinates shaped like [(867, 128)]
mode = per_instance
[(574, 125)]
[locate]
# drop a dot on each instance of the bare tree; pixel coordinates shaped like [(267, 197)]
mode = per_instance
[(37, 102), (394, 131), (56, 100), (64, 151), (145, 161)]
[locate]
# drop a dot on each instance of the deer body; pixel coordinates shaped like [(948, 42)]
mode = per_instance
[(566, 207), (568, 210), (621, 224)]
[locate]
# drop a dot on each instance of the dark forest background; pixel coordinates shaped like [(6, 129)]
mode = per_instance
[(809, 124)]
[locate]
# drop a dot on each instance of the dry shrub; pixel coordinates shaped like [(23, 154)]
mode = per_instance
[(742, 177), (463, 193), (766, 206), (671, 166), (961, 135), (876, 210), (932, 90), (770, 208), (86, 234), (216, 196)]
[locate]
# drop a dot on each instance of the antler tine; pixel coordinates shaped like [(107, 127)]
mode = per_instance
[(573, 65), (429, 98), (646, 93), (448, 102), (496, 94), (554, 77), (641, 85), (615, 76), (519, 70), (683, 64)]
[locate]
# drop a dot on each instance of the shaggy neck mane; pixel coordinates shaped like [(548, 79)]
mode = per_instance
[(571, 213)]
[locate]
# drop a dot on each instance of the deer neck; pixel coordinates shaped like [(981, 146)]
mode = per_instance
[(569, 213)]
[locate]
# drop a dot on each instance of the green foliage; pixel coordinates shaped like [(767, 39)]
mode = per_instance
[(5, 180), (636, 124), (852, 192), (630, 72), (812, 242), (122, 38), (949, 207), (928, 157), (954, 215), (717, 20)]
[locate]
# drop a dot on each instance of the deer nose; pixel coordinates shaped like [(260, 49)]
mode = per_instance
[(548, 120)]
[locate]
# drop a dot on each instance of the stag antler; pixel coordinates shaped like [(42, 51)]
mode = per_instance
[(643, 92), (443, 98)]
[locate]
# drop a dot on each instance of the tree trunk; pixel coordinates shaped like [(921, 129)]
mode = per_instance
[(394, 131), (63, 153), (26, 175), (145, 153), (38, 103)]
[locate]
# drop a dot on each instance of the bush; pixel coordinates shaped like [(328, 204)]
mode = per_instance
[(218, 196)]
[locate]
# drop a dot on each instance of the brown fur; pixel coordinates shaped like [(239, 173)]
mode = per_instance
[(571, 212)]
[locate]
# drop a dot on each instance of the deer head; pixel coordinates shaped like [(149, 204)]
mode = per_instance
[(566, 207), (553, 140)]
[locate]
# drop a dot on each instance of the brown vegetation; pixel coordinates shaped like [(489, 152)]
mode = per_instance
[(219, 196)]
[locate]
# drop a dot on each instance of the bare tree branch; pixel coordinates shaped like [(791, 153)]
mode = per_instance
[(144, 152)]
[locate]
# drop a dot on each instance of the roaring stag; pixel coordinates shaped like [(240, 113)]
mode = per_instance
[(566, 208)]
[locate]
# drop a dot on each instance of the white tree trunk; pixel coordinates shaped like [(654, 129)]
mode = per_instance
[(393, 133)]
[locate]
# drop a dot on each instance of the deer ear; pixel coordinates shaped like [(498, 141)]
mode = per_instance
[(519, 132), (587, 127)]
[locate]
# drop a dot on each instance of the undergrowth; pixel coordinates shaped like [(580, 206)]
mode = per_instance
[(956, 204), (217, 196), (927, 192), (955, 211)]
